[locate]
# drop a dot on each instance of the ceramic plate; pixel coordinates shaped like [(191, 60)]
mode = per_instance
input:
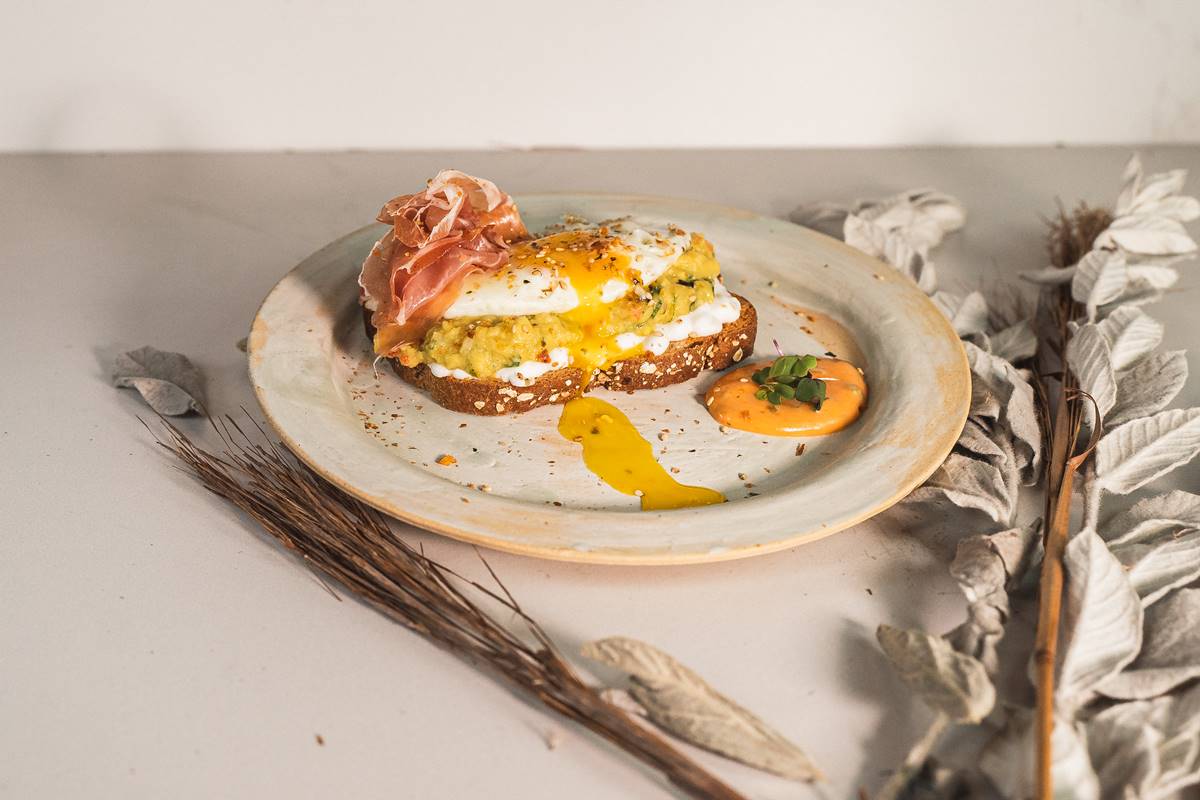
[(379, 438)]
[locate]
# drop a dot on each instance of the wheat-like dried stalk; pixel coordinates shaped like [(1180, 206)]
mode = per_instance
[(348, 543), (1072, 233)]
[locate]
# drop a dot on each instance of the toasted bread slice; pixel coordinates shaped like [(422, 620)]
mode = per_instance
[(681, 361)]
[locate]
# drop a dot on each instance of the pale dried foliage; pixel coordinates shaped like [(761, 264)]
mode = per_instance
[(1127, 619)]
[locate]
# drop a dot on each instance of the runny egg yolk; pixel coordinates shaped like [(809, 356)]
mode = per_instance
[(587, 261), (731, 401), (615, 451)]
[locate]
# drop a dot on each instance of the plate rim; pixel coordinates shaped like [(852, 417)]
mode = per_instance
[(913, 479)]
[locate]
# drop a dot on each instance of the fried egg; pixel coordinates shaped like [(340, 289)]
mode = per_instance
[(572, 267), (580, 271)]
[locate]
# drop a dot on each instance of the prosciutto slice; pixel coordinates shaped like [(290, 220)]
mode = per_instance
[(460, 224)]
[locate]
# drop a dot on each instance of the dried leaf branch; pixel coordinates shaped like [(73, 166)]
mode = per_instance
[(955, 685), (168, 382), (350, 544), (681, 702), (1114, 263), (1095, 404)]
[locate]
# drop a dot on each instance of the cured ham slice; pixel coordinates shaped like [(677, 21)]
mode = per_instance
[(460, 224)]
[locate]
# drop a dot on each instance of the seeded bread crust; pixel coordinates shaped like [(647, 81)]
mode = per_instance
[(681, 361)]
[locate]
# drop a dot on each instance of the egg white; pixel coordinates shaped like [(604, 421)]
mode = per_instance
[(513, 292), (652, 250)]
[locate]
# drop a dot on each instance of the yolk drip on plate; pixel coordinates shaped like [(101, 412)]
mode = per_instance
[(587, 262), (615, 451), (731, 401)]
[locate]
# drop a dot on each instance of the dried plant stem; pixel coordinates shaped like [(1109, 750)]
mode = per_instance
[(1050, 613), (918, 754), (1051, 582), (1059, 484), (1071, 236), (350, 544)]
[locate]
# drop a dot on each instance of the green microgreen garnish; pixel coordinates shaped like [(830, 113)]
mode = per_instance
[(788, 379)]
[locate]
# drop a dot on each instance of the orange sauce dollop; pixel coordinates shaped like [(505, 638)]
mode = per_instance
[(731, 401)]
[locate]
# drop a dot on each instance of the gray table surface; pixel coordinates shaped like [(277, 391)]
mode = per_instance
[(153, 645)]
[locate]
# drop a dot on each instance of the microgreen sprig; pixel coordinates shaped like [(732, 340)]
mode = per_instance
[(788, 378)]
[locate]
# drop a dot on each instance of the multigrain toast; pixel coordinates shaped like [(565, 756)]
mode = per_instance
[(681, 361)]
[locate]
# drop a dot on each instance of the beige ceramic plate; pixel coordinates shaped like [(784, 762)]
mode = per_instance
[(378, 438)]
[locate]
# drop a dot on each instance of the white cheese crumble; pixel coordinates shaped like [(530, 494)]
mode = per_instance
[(705, 320), (628, 341), (527, 373), (524, 374)]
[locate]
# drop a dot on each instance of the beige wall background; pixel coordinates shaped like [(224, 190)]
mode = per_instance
[(305, 74)]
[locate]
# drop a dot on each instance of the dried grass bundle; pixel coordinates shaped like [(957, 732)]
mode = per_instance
[(1073, 233), (350, 544)]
